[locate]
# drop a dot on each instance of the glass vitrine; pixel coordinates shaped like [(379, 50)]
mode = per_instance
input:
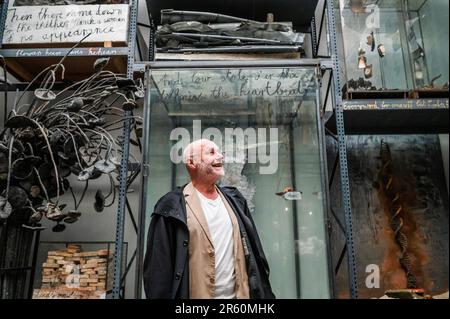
[(394, 45), (266, 121)]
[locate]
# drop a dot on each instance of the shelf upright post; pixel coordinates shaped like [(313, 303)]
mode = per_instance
[(124, 162), (345, 184), (314, 40), (3, 15)]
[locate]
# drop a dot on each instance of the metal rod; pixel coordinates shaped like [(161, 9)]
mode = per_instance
[(327, 94), (345, 184), (421, 6), (404, 10), (130, 212), (3, 248), (144, 183), (124, 161), (139, 49), (423, 47), (233, 64), (333, 172), (152, 46), (313, 37), (3, 16), (294, 213), (321, 28), (381, 61), (323, 181), (333, 136), (37, 236), (341, 226), (60, 52), (341, 257), (5, 270), (127, 269), (240, 49), (172, 16), (225, 37)]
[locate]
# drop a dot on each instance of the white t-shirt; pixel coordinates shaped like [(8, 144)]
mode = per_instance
[(221, 230)]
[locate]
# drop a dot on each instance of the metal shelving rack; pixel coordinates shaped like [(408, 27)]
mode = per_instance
[(129, 52), (329, 63), (334, 124), (370, 116), (334, 95)]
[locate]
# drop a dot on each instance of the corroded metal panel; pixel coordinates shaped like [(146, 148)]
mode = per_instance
[(419, 177)]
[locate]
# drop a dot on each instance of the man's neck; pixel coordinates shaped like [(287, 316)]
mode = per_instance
[(207, 190)]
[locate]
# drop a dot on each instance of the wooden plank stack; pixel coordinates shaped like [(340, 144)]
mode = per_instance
[(74, 274)]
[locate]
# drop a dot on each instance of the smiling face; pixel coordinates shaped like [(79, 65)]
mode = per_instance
[(204, 161)]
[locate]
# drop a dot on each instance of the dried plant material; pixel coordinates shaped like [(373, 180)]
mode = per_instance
[(371, 41), (368, 71), (381, 50)]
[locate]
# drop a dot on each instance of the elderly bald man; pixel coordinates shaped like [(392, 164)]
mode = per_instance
[(202, 241)]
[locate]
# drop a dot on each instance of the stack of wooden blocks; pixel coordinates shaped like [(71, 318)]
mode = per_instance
[(71, 270)]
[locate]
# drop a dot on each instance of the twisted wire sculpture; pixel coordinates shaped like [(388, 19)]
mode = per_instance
[(59, 134), (396, 209)]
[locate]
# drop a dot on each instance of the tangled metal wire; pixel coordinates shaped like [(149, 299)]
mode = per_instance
[(62, 134), (396, 209)]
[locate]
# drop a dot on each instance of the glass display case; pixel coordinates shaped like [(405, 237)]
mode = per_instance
[(399, 201), (266, 120), (394, 45)]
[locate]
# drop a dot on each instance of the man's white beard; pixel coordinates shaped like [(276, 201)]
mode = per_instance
[(206, 170)]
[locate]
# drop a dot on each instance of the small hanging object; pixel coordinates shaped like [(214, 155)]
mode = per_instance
[(35, 191), (371, 41), (100, 63), (381, 50), (293, 195), (419, 75), (105, 166), (418, 53), (99, 121), (368, 71), (5, 208), (285, 190), (21, 169), (44, 94), (54, 212), (59, 228), (72, 216), (85, 174), (99, 204), (290, 194), (36, 217), (75, 105), (19, 121), (362, 61), (125, 83), (128, 105), (55, 137), (17, 197)]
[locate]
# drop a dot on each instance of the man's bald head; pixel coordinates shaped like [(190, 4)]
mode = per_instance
[(193, 151), (203, 161)]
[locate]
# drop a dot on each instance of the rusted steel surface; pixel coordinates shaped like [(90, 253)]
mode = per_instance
[(421, 184)]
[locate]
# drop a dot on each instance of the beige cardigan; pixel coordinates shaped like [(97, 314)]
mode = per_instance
[(201, 250)]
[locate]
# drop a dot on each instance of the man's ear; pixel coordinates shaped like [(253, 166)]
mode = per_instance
[(190, 163)]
